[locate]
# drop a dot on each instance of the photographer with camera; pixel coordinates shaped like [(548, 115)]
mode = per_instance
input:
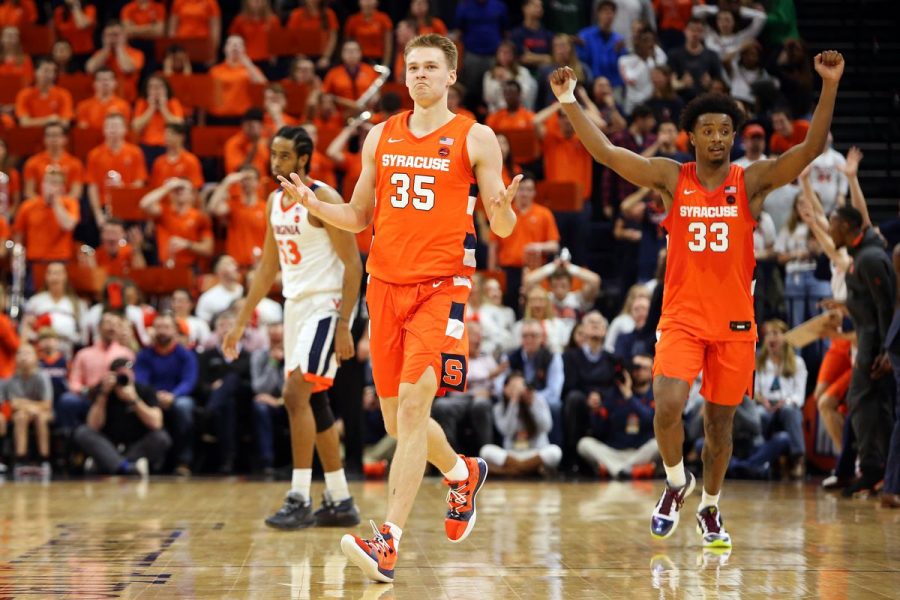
[(124, 433)]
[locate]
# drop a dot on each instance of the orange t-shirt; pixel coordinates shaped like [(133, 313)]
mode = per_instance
[(17, 14), (322, 168), (128, 163), (304, 24), (194, 16), (44, 239), (340, 82), (566, 159), (238, 147), (185, 166), (234, 86), (424, 228), (152, 12), (92, 112), (118, 265), (710, 263), (503, 119), (269, 124), (30, 102), (328, 129), (246, 229), (127, 81), (437, 26), (25, 69), (255, 33), (536, 225), (192, 225), (778, 144), (154, 132), (369, 33), (673, 14), (82, 40), (37, 165), (4, 229)]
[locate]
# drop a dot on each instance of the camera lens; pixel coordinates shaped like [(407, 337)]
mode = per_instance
[(122, 379)]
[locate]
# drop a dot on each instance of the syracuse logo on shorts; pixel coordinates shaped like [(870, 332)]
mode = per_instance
[(453, 372)]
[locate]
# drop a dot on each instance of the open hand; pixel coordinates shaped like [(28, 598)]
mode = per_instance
[(504, 201), (343, 343), (230, 342), (854, 157), (298, 191), (829, 65)]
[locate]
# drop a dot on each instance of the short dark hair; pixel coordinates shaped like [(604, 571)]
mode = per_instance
[(560, 273), (783, 109), (641, 111), (55, 123), (850, 216), (299, 137), (104, 69), (695, 20), (711, 104), (513, 83), (526, 175), (252, 114), (179, 128), (607, 4), (114, 221)]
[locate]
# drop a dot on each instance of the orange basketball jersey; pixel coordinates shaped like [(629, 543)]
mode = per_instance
[(710, 262), (424, 202)]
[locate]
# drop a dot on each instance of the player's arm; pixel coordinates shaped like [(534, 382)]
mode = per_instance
[(763, 176), (355, 215), (487, 163), (344, 244), (658, 173), (262, 283)]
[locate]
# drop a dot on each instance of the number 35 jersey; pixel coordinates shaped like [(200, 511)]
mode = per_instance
[(424, 202), (710, 262), (309, 262)]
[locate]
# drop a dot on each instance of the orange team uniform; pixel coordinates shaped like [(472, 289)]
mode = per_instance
[(154, 133), (306, 25), (128, 163), (234, 86), (81, 40), (191, 225), (91, 112), (503, 119), (44, 239), (35, 167), (536, 225), (185, 166), (566, 159), (707, 321), (778, 144), (246, 229), (237, 147), (340, 82), (255, 33), (369, 33), (194, 16), (837, 367), (31, 102), (437, 26), (24, 69), (118, 265), (422, 255), (134, 13), (16, 14)]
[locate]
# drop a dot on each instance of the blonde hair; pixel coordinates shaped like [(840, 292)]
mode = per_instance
[(634, 292), (537, 293), (433, 40), (788, 358)]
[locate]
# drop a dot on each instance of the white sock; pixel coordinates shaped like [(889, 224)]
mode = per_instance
[(709, 500), (301, 480), (675, 475), (396, 532), (336, 483), (459, 471)]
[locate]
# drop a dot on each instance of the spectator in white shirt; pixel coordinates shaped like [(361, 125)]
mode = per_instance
[(496, 319), (220, 296), (58, 307), (797, 251), (198, 329), (625, 321), (828, 179), (635, 68), (723, 39), (744, 70)]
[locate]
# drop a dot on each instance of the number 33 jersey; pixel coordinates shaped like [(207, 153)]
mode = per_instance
[(424, 202), (309, 263), (710, 262)]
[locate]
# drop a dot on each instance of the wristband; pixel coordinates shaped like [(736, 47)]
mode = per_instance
[(568, 97)]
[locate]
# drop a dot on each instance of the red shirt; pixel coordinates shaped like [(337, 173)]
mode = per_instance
[(778, 144)]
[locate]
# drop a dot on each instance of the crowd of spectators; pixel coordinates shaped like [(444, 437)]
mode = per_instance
[(104, 170)]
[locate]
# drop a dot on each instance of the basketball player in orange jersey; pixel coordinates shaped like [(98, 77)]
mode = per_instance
[(707, 321), (416, 183)]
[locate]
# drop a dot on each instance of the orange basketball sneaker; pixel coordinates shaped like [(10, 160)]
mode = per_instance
[(461, 500), (376, 557)]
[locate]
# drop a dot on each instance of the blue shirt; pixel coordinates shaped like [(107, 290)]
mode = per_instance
[(175, 372), (482, 23), (601, 52)]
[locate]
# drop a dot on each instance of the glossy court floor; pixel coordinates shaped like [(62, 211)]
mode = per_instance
[(206, 539)]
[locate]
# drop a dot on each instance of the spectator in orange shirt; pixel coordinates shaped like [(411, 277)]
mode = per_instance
[(247, 147), (237, 202), (253, 25), (420, 13), (275, 103), (372, 29), (320, 166), (196, 19), (327, 119), (5, 233), (44, 223), (176, 61), (10, 183), (176, 162), (302, 74), (156, 109), (315, 18), (514, 116), (345, 151), (788, 133), (9, 343), (13, 60), (455, 96), (125, 61), (75, 24), (115, 163), (54, 156), (144, 19), (91, 113), (534, 237), (183, 233), (16, 13), (350, 79), (44, 102), (565, 158), (117, 255), (233, 77), (510, 168), (62, 56)]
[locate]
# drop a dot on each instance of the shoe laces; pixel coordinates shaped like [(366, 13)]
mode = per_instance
[(378, 543), (710, 520), (672, 496), (457, 496), (291, 503)]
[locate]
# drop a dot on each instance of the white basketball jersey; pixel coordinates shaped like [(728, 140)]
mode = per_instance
[(309, 263)]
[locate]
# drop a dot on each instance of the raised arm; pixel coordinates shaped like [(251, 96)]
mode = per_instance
[(658, 173), (766, 175), (151, 203), (851, 170)]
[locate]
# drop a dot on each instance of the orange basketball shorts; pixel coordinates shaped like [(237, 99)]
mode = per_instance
[(727, 366), (413, 327)]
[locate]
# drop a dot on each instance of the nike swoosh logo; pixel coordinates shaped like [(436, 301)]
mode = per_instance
[(436, 283), (393, 141), (689, 192)]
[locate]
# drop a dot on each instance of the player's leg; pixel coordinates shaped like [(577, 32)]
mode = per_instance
[(440, 453)]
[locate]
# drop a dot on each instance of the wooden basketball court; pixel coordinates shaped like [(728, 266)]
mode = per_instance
[(206, 539)]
